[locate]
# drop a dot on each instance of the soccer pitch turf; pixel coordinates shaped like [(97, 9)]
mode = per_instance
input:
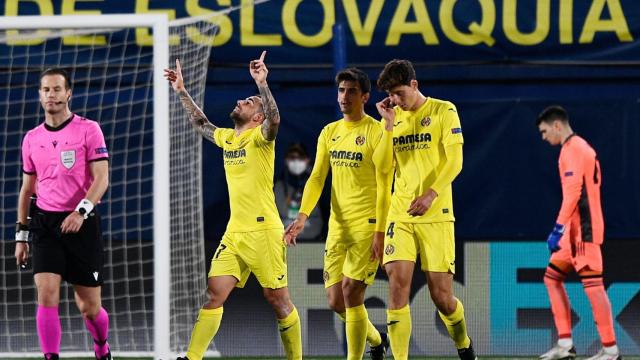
[(428, 358), (390, 358)]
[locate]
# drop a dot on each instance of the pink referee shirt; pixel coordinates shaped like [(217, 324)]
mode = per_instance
[(59, 158)]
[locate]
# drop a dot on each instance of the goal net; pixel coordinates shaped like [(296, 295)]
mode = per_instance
[(151, 214)]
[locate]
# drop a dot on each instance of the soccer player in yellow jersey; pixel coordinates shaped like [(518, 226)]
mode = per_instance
[(252, 242), (426, 148), (348, 147)]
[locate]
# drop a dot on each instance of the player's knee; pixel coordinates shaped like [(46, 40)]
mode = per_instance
[(48, 296), (214, 298), (398, 278), (276, 298), (336, 302), (89, 309), (352, 290), (443, 300), (399, 285)]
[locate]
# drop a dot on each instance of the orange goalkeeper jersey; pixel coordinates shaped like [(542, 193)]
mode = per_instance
[(581, 211)]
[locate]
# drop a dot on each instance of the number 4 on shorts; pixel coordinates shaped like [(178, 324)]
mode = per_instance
[(390, 230)]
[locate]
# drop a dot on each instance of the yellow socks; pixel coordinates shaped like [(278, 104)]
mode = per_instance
[(456, 326), (289, 328), (373, 335), (203, 331), (357, 319), (399, 325)]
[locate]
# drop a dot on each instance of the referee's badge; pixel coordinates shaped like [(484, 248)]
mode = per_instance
[(68, 158)]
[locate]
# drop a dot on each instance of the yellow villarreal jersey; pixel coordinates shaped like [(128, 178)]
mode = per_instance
[(419, 138), (248, 165), (347, 148)]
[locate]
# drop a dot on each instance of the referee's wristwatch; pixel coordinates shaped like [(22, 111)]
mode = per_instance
[(85, 206)]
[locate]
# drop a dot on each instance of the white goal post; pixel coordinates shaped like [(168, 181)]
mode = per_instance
[(163, 209)]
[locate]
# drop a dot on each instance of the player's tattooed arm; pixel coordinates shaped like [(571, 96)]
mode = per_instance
[(196, 116), (259, 71), (271, 113)]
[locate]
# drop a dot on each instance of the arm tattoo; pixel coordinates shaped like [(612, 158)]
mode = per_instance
[(196, 116), (271, 114)]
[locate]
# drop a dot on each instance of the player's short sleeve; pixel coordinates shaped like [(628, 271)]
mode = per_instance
[(96, 146), (219, 134), (451, 129), (258, 137), (27, 164)]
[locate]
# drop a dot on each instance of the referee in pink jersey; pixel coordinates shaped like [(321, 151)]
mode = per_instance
[(65, 161)]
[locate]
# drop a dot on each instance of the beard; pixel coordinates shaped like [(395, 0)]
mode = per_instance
[(237, 119)]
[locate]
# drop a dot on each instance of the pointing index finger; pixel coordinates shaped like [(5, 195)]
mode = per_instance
[(264, 53), (178, 68)]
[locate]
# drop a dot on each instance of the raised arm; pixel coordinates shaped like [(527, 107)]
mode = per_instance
[(259, 72), (196, 116)]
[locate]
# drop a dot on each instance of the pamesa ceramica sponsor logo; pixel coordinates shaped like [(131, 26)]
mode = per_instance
[(346, 155), (412, 142), (234, 154), (346, 158)]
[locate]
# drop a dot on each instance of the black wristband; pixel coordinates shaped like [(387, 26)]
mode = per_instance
[(21, 227)]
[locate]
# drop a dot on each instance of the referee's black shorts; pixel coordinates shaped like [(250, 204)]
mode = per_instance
[(77, 257)]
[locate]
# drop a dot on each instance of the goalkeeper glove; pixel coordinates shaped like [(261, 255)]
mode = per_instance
[(553, 241)]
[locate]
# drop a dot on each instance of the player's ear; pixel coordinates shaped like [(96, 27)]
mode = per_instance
[(414, 84), (365, 97), (259, 117)]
